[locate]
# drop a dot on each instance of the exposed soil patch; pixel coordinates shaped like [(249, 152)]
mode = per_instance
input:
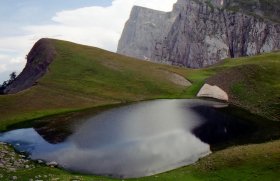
[(251, 87), (227, 78), (38, 60), (177, 79)]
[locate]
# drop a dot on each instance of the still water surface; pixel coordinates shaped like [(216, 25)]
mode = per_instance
[(135, 140)]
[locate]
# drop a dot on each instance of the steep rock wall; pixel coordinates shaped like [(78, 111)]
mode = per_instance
[(197, 33), (144, 28)]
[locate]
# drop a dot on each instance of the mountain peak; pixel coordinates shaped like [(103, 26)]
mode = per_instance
[(199, 33)]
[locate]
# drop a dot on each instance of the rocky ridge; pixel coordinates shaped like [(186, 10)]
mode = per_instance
[(38, 61), (198, 33)]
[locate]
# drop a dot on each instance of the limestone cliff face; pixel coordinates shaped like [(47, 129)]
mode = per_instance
[(197, 33), (143, 31)]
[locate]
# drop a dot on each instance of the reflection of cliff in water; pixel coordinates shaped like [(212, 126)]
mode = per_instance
[(220, 128), (224, 128), (57, 129), (53, 135), (140, 139)]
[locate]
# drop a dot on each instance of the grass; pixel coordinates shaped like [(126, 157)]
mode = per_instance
[(249, 162), (83, 77), (259, 90)]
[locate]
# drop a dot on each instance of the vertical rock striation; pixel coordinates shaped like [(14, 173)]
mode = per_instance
[(198, 33), (143, 30)]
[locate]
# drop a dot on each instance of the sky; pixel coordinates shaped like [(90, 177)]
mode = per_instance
[(97, 23)]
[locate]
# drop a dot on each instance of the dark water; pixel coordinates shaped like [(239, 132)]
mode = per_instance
[(135, 140)]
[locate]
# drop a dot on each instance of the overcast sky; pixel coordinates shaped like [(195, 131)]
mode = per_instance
[(97, 23)]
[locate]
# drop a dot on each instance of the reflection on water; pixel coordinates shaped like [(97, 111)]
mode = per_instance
[(132, 141), (220, 127)]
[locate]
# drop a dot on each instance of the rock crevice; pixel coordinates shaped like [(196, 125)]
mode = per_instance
[(197, 33)]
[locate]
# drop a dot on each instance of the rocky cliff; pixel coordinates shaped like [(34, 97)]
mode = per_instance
[(142, 31), (38, 60), (199, 33)]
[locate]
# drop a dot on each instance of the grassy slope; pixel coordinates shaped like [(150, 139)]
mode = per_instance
[(254, 83), (82, 77)]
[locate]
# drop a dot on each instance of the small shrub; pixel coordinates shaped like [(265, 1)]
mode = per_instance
[(6, 83)]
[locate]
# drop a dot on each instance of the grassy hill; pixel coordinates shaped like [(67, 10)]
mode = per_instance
[(82, 77)]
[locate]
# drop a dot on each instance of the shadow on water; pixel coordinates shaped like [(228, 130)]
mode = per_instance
[(56, 128), (140, 139), (232, 125), (223, 127), (220, 127)]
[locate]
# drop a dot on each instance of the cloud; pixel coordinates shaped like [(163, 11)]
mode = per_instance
[(12, 54), (3, 67), (95, 26), (10, 63)]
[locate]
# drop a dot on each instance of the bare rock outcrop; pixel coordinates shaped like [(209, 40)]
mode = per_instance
[(38, 61), (213, 92), (199, 33), (177, 79), (142, 31)]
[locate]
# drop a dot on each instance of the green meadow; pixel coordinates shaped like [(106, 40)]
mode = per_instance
[(83, 77)]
